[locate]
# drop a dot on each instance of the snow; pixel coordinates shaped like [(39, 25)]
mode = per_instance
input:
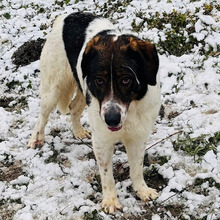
[(61, 187), (156, 217)]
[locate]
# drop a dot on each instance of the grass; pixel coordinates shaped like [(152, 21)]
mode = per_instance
[(179, 29), (176, 41), (198, 146), (111, 7), (94, 215), (7, 15), (211, 182)]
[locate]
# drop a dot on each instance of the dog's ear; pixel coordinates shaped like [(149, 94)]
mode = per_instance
[(149, 55), (89, 55), (91, 45)]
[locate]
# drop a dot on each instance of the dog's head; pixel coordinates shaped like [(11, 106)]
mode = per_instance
[(117, 71)]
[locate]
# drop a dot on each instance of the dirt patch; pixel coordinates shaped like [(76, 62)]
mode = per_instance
[(20, 103), (10, 173), (8, 208), (6, 212), (29, 52), (4, 102), (154, 179), (172, 114), (10, 169), (163, 211), (162, 112), (121, 171)]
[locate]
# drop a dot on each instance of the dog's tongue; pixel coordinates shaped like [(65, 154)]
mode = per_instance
[(115, 128)]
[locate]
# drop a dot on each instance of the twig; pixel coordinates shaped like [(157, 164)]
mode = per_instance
[(179, 192), (163, 140), (61, 212), (88, 144), (169, 198), (80, 142)]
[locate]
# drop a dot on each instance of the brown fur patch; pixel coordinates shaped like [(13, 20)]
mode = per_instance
[(91, 44), (99, 43), (136, 45)]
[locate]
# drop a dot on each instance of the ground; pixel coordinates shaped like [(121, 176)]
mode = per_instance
[(182, 161)]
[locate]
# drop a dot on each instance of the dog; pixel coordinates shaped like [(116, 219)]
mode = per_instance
[(86, 61)]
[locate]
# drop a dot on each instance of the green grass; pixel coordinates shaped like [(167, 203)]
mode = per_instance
[(7, 15), (111, 7), (211, 182), (94, 215), (198, 146), (178, 28)]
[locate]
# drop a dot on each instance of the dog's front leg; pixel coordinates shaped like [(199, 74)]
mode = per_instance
[(104, 152), (135, 151)]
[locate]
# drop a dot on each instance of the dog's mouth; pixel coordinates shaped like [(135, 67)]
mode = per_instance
[(113, 129)]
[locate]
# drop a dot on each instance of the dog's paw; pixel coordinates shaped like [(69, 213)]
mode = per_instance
[(111, 205), (147, 194), (81, 134), (35, 143)]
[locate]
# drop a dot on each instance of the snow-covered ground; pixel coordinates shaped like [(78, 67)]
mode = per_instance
[(61, 180)]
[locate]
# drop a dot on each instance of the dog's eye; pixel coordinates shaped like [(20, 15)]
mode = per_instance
[(125, 81), (99, 81)]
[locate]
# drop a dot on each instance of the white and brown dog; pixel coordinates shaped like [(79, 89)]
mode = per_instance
[(86, 61)]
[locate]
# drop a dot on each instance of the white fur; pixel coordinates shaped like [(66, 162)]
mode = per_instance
[(111, 102), (57, 89)]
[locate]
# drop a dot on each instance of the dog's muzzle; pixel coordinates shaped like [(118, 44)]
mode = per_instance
[(113, 119)]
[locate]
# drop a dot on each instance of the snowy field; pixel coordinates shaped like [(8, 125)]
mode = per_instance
[(61, 180)]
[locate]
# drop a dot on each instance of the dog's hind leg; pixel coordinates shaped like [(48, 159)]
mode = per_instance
[(76, 108), (48, 103)]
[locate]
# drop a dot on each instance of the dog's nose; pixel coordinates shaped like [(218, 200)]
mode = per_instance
[(112, 117)]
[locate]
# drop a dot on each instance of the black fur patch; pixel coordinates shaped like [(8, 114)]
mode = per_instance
[(74, 36), (88, 99)]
